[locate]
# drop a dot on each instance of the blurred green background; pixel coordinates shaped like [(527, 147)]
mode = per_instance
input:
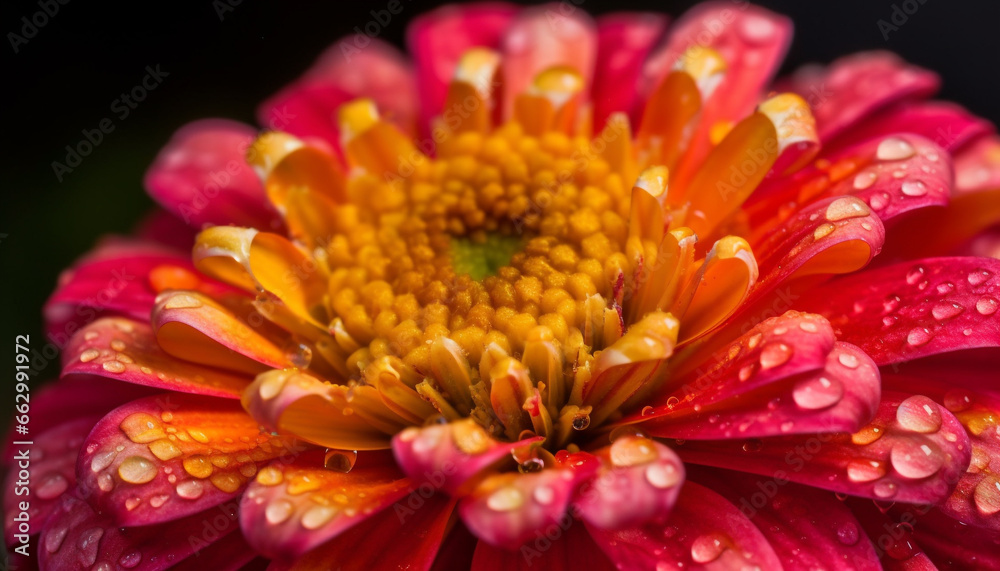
[(223, 59)]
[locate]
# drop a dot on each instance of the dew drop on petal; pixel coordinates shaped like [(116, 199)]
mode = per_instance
[(864, 180), (943, 311), (823, 230), (55, 537), (957, 400), (505, 499), (318, 516), (894, 149), (918, 336), (278, 511), (885, 489), (846, 207), (848, 534), (919, 414), (137, 470), (708, 548), (51, 486), (88, 545), (848, 360), (913, 188), (113, 366), (987, 496), (817, 393), (774, 355), (190, 489), (945, 288), (890, 303), (915, 459), (662, 475), (543, 495), (865, 470), (105, 482), (978, 277), (747, 371), (130, 559), (89, 355), (340, 460), (987, 305), (879, 200), (915, 275)]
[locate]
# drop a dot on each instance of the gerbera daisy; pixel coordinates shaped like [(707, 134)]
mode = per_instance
[(561, 293)]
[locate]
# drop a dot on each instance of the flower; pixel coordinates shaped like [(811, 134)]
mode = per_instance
[(590, 299)]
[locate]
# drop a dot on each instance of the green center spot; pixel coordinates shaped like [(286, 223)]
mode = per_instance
[(483, 258)]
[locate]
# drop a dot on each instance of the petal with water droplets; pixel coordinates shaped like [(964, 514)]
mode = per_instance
[(572, 550)]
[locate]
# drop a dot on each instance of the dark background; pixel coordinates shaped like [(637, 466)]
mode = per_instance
[(65, 78)]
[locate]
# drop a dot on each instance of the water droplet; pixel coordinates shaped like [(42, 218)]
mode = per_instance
[(278, 511), (54, 538), (754, 340), (757, 29), (914, 459), (340, 460), (708, 548), (979, 276), (89, 542), (817, 393), (89, 355), (913, 188), (631, 450), (158, 500), (945, 288), (113, 366), (865, 470), (890, 303), (943, 311), (581, 422), (747, 371), (848, 360), (130, 559), (190, 489), (957, 400), (864, 180), (753, 445), (142, 428), (51, 486), (774, 355), (300, 355), (848, 534), (198, 466), (505, 499), (894, 149), (543, 495), (879, 200), (808, 326), (987, 496), (672, 402), (137, 470), (885, 489), (915, 275), (662, 475), (182, 301), (902, 547), (918, 336), (986, 305), (318, 516), (105, 482), (919, 414), (823, 230), (846, 207)]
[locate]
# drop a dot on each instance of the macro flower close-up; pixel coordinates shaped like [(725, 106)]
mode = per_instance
[(545, 291)]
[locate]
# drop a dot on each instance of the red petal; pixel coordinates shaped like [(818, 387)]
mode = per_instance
[(704, 532), (806, 527), (416, 536), (893, 540), (785, 376), (294, 506), (167, 456), (77, 538), (638, 482), (914, 451), (201, 175), (544, 36), (508, 509), (950, 126), (52, 463), (564, 548), (624, 39), (437, 40), (126, 350), (854, 87), (450, 456), (914, 309), (950, 543), (356, 66)]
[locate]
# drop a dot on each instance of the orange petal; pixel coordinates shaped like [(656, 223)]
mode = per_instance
[(284, 162), (373, 144), (722, 283)]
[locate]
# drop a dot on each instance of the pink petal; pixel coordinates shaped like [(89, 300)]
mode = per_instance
[(914, 451), (950, 126), (508, 509), (202, 176), (751, 40), (162, 227), (78, 538), (167, 456), (624, 39), (450, 456), (894, 541), (854, 87), (111, 280), (126, 350), (950, 543), (565, 548), (416, 536), (639, 481), (356, 66), (52, 464), (977, 166), (785, 376), (544, 36), (704, 531), (806, 527), (914, 309), (297, 504), (437, 39)]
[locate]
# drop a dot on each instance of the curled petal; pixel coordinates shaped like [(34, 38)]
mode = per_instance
[(808, 528), (914, 309), (126, 350), (723, 282), (294, 506), (914, 451), (202, 177), (854, 87), (638, 481), (78, 538), (703, 531), (171, 455), (450, 456), (315, 411)]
